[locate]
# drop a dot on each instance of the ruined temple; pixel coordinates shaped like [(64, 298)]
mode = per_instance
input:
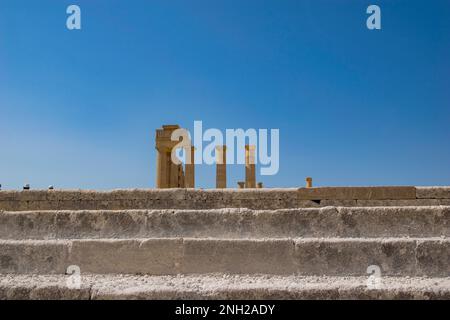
[(178, 242), (173, 175)]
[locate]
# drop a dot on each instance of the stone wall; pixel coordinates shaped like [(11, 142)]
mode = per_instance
[(222, 198)]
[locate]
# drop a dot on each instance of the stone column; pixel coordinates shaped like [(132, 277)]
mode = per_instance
[(168, 174), (162, 169), (250, 171), (173, 175), (158, 169), (309, 182), (190, 169), (181, 181), (221, 167)]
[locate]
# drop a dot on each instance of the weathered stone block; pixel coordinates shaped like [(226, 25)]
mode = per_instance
[(397, 203), (380, 222), (361, 193), (153, 256), (338, 203), (433, 257), (433, 192), (27, 225), (344, 257), (238, 256), (99, 224), (32, 256)]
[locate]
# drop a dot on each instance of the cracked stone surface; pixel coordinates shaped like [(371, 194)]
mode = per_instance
[(221, 286), (296, 243)]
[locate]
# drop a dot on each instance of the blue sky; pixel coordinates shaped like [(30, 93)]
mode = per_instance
[(78, 109)]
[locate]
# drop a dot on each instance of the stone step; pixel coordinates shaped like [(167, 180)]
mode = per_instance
[(301, 256), (229, 223), (222, 198), (221, 286)]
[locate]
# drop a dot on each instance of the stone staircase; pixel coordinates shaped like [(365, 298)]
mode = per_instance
[(315, 243)]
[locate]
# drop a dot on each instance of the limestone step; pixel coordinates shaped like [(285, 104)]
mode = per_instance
[(218, 286), (369, 222), (222, 198), (301, 256)]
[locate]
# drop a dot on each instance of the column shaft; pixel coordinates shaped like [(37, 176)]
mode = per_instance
[(173, 175), (162, 170), (250, 171), (190, 169), (221, 166)]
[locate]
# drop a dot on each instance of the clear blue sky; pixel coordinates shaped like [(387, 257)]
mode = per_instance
[(78, 109)]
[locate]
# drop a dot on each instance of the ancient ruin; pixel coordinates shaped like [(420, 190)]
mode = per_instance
[(178, 242), (299, 243), (221, 167), (173, 175), (169, 174)]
